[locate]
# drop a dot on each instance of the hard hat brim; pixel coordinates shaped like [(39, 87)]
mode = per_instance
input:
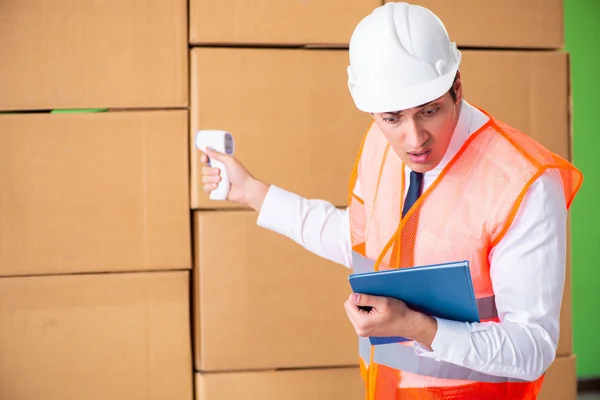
[(390, 99)]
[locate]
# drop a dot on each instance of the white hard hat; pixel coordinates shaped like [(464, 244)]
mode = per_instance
[(400, 57)]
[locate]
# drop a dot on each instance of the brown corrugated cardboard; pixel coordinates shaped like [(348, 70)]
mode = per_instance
[(263, 302), (560, 381), (107, 336), (295, 124), (267, 271), (488, 23), (78, 54), (290, 112), (276, 22), (318, 384), (528, 90), (506, 23), (94, 192)]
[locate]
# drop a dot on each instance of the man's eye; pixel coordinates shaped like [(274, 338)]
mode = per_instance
[(431, 111), (391, 120)]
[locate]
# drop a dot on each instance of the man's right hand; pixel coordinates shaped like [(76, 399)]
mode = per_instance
[(245, 189)]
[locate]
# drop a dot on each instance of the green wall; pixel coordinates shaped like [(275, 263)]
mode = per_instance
[(582, 30)]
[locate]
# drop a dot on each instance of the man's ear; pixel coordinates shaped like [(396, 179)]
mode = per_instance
[(458, 87)]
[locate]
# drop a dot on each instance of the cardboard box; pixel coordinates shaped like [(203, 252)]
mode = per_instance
[(560, 381), (318, 384), (290, 112), (296, 126), (501, 24), (488, 23), (81, 54), (276, 22), (263, 302), (531, 93), (107, 336), (94, 192)]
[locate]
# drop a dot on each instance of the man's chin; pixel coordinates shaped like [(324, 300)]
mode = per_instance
[(421, 167)]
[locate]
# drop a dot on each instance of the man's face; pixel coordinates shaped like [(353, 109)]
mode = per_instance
[(420, 136)]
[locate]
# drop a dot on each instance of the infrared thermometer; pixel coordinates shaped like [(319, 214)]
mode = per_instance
[(221, 141)]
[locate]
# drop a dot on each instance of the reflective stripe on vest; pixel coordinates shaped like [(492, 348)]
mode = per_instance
[(403, 358), (361, 264), (485, 305)]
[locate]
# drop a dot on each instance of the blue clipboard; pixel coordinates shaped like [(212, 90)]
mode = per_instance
[(438, 290)]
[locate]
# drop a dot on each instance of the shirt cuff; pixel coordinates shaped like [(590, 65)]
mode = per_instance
[(278, 211), (450, 344)]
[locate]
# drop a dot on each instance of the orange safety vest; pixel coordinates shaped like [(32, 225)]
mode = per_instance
[(462, 216)]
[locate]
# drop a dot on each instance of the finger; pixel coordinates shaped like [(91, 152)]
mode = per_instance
[(216, 155), (210, 187), (204, 159), (351, 308), (351, 321), (211, 179), (360, 320), (360, 299), (350, 311), (210, 171), (353, 312)]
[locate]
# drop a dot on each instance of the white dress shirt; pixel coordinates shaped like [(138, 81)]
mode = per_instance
[(527, 269)]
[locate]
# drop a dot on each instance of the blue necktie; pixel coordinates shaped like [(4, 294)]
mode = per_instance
[(414, 191)]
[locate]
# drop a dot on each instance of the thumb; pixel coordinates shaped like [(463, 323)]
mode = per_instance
[(216, 155), (360, 299)]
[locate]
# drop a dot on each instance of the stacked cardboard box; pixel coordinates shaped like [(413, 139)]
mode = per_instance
[(276, 79), (268, 315), (95, 247)]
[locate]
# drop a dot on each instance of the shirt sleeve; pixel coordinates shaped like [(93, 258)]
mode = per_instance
[(316, 225), (528, 276)]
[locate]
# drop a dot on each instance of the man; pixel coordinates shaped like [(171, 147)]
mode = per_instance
[(436, 180)]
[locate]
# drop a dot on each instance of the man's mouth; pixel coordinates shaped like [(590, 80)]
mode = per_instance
[(418, 153), (420, 157)]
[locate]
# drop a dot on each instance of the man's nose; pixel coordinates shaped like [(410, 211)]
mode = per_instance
[(415, 135)]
